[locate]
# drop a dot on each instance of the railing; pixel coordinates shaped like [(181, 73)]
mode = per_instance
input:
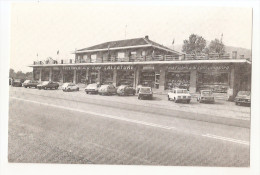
[(133, 58)]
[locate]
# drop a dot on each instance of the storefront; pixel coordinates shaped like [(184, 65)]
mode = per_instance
[(125, 77), (177, 79), (149, 76), (106, 76)]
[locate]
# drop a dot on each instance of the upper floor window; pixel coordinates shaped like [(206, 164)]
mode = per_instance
[(143, 53), (121, 55), (85, 57), (133, 53), (93, 58)]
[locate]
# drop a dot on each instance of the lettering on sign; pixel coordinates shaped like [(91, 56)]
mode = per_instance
[(112, 67), (148, 67), (197, 67)]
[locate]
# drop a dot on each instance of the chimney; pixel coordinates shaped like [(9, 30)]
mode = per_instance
[(146, 37), (234, 54)]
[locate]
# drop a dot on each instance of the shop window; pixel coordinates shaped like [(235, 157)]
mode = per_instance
[(125, 78), (121, 55), (178, 80), (107, 77), (93, 58), (148, 79)]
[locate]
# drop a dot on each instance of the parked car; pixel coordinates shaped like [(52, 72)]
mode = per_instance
[(179, 95), (30, 83), (17, 82), (68, 87), (125, 90), (145, 92), (92, 88), (48, 85), (206, 96), (107, 90), (138, 88), (243, 97)]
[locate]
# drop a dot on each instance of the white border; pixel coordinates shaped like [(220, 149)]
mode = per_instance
[(7, 168)]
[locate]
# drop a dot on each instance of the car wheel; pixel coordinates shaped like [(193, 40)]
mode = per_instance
[(45, 88), (188, 101), (77, 89), (174, 100), (86, 92), (138, 98), (169, 98)]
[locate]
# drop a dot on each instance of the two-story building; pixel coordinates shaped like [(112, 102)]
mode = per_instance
[(144, 62)]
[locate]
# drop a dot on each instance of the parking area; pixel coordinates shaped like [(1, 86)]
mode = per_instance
[(221, 108)]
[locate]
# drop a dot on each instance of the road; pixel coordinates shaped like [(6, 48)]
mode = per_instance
[(56, 127)]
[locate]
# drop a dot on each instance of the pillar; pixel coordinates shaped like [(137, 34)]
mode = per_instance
[(162, 79), (137, 76), (193, 81), (50, 75), (75, 76), (33, 74), (99, 77), (40, 76), (87, 73), (62, 76), (114, 77)]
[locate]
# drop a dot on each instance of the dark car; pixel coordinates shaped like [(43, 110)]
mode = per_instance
[(48, 85), (17, 83), (30, 83), (206, 96), (125, 90), (243, 97), (145, 92)]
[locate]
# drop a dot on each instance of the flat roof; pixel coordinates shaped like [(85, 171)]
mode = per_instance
[(147, 63)]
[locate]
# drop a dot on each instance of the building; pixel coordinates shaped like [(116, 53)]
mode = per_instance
[(144, 62)]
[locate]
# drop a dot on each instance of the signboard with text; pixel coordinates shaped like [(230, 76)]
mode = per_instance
[(198, 67), (109, 67)]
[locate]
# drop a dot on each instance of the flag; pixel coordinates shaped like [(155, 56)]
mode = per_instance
[(58, 52), (37, 54), (173, 41)]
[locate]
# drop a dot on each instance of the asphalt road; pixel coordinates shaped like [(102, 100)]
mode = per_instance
[(55, 127)]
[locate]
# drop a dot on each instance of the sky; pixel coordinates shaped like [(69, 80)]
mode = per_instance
[(44, 28)]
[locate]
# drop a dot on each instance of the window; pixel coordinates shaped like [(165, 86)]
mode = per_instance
[(143, 53), (133, 53), (85, 57), (93, 58), (121, 55)]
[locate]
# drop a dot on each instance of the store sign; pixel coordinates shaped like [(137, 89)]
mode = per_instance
[(198, 67), (148, 67), (110, 67)]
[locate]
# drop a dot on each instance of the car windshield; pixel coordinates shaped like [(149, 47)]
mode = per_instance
[(104, 86), (206, 92), (17, 80), (244, 93), (145, 90), (45, 83), (92, 86), (27, 81), (182, 91)]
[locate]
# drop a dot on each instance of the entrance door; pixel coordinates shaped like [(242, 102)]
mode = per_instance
[(157, 80)]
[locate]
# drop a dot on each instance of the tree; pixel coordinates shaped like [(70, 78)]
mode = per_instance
[(194, 45), (11, 73), (216, 46)]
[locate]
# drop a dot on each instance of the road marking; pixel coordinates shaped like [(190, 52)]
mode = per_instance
[(138, 122)]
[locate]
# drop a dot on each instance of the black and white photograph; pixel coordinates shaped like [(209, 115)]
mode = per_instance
[(130, 84)]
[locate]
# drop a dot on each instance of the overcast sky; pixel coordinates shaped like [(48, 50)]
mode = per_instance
[(45, 28)]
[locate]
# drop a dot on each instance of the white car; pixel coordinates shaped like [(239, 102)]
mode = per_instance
[(67, 87), (92, 88), (179, 95)]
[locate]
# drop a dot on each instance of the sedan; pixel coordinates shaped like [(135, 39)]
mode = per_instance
[(92, 88), (107, 90), (30, 83), (243, 97), (145, 92), (206, 96), (125, 90), (68, 87), (48, 85)]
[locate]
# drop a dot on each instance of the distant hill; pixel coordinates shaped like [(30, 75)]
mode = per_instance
[(228, 49)]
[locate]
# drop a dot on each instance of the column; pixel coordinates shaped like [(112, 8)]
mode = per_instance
[(137, 76), (50, 75), (87, 73), (62, 76), (99, 77), (75, 76), (162, 79), (193, 81), (40, 76), (33, 74), (114, 77)]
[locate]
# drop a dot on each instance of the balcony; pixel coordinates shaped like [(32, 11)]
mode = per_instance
[(133, 58)]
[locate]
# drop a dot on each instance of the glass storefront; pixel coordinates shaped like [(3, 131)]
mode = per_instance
[(177, 79), (125, 78), (147, 78), (81, 76), (68, 76), (107, 76), (216, 81), (93, 76)]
